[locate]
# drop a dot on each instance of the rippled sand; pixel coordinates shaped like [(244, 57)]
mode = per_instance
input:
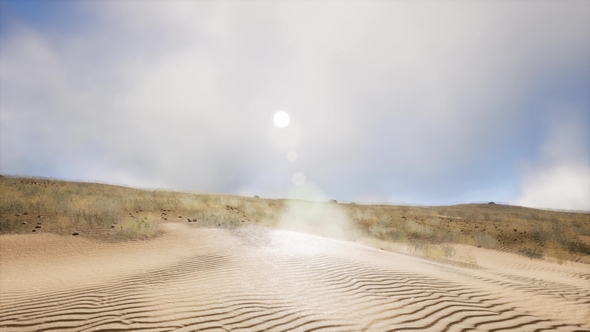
[(254, 279)]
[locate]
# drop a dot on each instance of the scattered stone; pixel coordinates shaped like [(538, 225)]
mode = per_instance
[(112, 226), (189, 220), (17, 215), (38, 223), (39, 216), (24, 222), (515, 229), (75, 233), (179, 216), (38, 226), (195, 220), (25, 213), (34, 231)]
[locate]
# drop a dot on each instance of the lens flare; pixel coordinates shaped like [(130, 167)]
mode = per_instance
[(307, 210), (298, 179), (281, 119), (292, 156)]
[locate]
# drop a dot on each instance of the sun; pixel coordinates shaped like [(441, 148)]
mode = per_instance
[(281, 119)]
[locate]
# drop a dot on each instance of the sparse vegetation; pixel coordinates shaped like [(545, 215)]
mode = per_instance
[(433, 251), (531, 253), (120, 213), (485, 240)]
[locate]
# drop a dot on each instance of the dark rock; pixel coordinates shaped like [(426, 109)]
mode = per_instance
[(195, 220), (25, 213), (189, 220), (75, 233), (33, 231), (179, 216), (112, 226), (38, 226), (39, 216), (24, 222)]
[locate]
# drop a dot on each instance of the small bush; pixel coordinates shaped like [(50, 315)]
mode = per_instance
[(531, 253), (433, 251), (7, 226), (577, 247), (540, 235), (485, 240), (96, 218)]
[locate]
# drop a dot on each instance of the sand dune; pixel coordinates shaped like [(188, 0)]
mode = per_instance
[(256, 279)]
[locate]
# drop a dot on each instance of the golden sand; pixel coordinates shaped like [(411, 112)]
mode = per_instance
[(258, 279)]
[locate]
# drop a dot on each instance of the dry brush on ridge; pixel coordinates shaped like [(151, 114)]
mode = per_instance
[(117, 213)]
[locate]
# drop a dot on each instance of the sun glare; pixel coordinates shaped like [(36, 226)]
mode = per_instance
[(292, 156), (298, 179), (281, 119)]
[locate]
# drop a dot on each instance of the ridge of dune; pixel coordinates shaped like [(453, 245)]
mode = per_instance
[(259, 279)]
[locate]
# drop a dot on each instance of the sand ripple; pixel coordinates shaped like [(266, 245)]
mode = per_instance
[(263, 280)]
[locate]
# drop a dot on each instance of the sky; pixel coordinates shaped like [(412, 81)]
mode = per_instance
[(402, 102)]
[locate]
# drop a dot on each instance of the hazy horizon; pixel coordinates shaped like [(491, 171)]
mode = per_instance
[(421, 103)]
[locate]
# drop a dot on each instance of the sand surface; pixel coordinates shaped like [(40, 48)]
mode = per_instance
[(256, 279)]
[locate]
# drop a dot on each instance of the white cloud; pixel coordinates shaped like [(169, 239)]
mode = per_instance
[(563, 186), (181, 94), (561, 178)]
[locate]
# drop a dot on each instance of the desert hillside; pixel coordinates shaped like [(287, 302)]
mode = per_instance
[(86, 257), (115, 213)]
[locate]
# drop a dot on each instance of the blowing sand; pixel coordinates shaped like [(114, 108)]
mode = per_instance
[(256, 279)]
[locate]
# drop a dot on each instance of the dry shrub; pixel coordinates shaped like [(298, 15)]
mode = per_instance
[(485, 240)]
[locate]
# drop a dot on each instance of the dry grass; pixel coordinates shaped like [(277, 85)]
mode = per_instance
[(120, 213), (117, 213)]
